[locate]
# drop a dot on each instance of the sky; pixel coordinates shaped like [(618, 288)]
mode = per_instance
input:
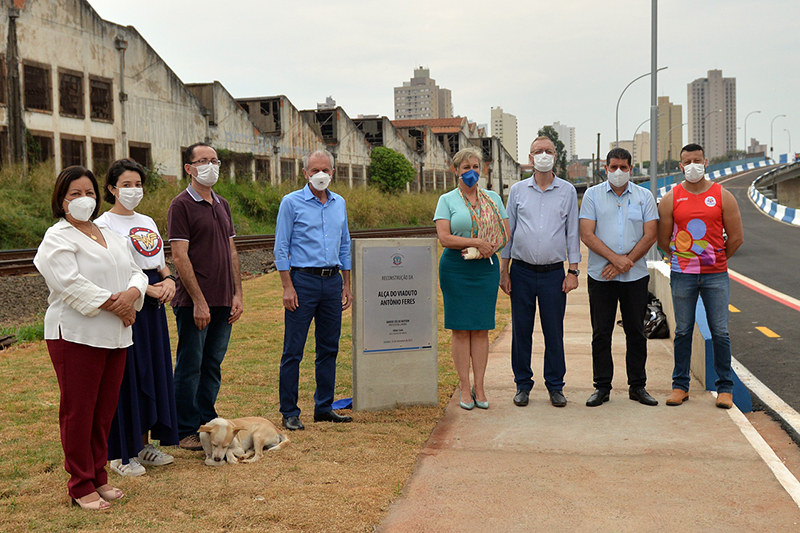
[(541, 61)]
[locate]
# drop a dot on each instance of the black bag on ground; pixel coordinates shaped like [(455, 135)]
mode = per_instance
[(655, 321)]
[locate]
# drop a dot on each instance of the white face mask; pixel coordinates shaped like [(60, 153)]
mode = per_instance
[(618, 178), (207, 174), (694, 172), (81, 209), (130, 197), (543, 162), (320, 181)]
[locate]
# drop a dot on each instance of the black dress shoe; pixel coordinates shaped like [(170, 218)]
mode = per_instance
[(599, 396), (332, 416), (557, 398), (642, 396), (292, 423), (521, 398)]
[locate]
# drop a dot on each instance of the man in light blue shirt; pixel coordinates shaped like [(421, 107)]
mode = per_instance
[(312, 247), (619, 225), (543, 218)]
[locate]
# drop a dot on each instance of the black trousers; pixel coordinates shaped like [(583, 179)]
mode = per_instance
[(632, 298)]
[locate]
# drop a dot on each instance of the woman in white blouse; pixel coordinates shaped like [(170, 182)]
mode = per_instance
[(95, 290)]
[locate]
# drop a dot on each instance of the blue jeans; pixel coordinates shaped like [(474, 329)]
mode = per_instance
[(714, 289), (320, 299), (527, 287), (197, 366)]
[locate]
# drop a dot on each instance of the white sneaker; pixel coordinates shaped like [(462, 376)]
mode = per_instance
[(151, 455), (132, 469)]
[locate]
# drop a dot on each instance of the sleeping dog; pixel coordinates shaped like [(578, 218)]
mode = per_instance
[(239, 439)]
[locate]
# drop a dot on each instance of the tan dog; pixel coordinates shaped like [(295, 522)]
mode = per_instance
[(239, 439)]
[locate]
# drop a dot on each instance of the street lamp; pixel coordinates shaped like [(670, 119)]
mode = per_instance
[(745, 132), (771, 147), (620, 98), (790, 142), (705, 130), (665, 140), (634, 135)]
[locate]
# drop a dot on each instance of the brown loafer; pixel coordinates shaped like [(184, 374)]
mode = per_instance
[(724, 400), (677, 397)]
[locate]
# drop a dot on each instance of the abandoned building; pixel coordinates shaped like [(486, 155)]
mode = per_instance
[(78, 89)]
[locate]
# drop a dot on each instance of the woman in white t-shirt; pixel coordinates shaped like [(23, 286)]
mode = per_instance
[(146, 407), (95, 290)]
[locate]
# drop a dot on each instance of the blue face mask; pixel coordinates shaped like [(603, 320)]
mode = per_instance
[(470, 178)]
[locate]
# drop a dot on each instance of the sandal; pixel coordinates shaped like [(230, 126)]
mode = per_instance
[(94, 505), (109, 493)]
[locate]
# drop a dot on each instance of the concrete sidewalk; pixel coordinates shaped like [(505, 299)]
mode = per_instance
[(619, 467)]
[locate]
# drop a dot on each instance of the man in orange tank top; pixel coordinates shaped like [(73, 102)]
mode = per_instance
[(694, 216)]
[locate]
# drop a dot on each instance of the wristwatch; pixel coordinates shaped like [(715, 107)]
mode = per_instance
[(576, 272)]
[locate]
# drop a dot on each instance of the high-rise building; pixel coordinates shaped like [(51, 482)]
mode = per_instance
[(422, 98), (670, 121), (566, 134), (712, 113), (504, 126), (329, 103), (641, 147)]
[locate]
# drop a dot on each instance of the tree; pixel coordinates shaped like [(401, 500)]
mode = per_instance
[(390, 170), (561, 155)]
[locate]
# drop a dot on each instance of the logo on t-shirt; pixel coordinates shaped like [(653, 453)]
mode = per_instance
[(146, 241), (711, 201)]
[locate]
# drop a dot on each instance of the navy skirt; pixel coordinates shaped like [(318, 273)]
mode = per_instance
[(147, 395), (469, 290)]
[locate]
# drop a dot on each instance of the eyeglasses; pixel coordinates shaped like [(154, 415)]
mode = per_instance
[(204, 161)]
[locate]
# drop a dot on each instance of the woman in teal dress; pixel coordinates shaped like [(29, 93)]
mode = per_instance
[(472, 225)]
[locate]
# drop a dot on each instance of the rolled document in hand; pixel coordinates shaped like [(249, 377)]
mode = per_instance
[(470, 253)]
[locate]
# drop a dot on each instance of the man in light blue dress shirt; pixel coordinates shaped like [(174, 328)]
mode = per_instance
[(619, 225), (543, 218), (312, 254)]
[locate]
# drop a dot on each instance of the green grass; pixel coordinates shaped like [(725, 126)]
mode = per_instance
[(26, 213), (26, 333)]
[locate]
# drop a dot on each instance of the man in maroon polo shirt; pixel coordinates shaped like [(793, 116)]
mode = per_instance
[(208, 291)]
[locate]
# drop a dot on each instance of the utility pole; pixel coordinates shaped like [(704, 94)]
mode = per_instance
[(597, 174)]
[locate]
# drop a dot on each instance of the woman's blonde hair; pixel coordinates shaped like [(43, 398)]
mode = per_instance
[(466, 153)]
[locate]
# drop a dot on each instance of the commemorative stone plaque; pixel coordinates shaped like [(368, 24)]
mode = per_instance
[(394, 323)]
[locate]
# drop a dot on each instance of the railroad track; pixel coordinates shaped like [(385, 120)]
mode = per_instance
[(17, 262)]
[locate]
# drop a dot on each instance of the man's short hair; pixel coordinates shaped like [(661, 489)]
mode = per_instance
[(543, 138), (318, 152), (692, 147), (188, 155), (618, 153)]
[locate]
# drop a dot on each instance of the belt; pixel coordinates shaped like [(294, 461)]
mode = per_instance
[(538, 268), (324, 271)]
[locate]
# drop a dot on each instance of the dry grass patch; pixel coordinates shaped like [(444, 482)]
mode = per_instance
[(331, 477)]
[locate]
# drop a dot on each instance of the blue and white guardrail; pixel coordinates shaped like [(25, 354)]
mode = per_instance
[(715, 175), (769, 207)]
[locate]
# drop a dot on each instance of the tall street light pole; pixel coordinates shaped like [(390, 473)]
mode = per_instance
[(705, 130), (620, 98), (745, 132), (653, 94), (634, 136), (771, 147), (666, 159), (790, 142)]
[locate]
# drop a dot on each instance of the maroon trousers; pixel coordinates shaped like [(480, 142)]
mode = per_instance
[(89, 379)]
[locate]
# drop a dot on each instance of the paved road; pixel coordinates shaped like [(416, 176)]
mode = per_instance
[(771, 256)]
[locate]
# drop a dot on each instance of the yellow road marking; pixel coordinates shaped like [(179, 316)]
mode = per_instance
[(732, 309), (768, 332)]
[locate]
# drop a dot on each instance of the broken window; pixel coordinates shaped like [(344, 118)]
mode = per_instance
[(327, 124), (70, 93), (3, 97), (440, 180), (245, 106), (102, 156), (417, 140), (37, 88), (486, 148), (427, 180), (41, 147), (262, 169), (358, 175), (372, 130), (342, 173), (271, 109), (101, 99), (287, 169), (72, 151), (139, 152)]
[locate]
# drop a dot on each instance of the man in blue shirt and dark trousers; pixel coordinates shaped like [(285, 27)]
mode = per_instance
[(543, 217), (619, 225), (312, 254)]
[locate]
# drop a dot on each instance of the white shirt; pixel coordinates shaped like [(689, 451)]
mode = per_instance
[(144, 240), (81, 276)]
